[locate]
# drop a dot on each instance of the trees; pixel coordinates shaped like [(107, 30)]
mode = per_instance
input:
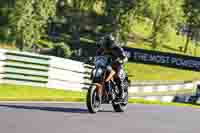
[(29, 19), (122, 14), (72, 11), (165, 14), (5, 10), (192, 14)]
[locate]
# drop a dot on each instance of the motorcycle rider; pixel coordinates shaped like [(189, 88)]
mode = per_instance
[(110, 47)]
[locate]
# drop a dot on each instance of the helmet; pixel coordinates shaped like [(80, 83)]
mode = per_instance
[(108, 42)]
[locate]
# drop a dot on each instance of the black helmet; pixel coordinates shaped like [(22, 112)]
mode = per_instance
[(108, 42)]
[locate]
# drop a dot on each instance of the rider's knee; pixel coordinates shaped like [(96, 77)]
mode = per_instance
[(109, 68)]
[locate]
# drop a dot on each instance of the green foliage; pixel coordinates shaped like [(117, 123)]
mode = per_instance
[(44, 44), (81, 4), (27, 22), (78, 8), (164, 15), (192, 13), (62, 50), (30, 17), (5, 30), (122, 14)]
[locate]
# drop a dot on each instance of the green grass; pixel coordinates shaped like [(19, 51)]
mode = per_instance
[(23, 93), (142, 101), (28, 93), (169, 47), (143, 29), (156, 72), (168, 93)]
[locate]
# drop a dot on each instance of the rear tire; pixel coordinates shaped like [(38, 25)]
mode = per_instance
[(91, 100)]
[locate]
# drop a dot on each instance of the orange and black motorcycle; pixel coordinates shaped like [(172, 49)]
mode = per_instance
[(100, 92)]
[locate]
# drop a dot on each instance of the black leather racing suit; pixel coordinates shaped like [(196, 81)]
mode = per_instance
[(119, 58)]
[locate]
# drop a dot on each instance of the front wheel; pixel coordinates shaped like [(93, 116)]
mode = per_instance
[(121, 107), (93, 102)]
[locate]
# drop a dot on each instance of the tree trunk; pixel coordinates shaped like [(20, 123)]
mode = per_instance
[(188, 39), (195, 49), (156, 26), (154, 33), (20, 43), (187, 44), (76, 34)]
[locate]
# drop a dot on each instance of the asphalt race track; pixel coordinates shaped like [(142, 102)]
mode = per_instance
[(74, 118)]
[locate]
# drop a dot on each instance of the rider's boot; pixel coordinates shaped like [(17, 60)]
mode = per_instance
[(99, 98), (100, 101)]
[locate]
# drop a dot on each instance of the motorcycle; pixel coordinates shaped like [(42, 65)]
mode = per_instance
[(100, 93)]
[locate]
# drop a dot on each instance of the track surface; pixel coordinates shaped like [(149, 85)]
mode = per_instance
[(74, 118)]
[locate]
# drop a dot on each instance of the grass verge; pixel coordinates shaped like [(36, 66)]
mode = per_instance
[(168, 93), (156, 72), (142, 101), (27, 93)]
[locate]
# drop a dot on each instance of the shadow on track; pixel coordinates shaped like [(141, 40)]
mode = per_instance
[(54, 109)]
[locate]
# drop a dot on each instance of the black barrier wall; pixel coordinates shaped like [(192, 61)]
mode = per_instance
[(151, 57), (164, 59)]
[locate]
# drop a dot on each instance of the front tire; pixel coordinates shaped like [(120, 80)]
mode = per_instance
[(91, 100), (121, 107)]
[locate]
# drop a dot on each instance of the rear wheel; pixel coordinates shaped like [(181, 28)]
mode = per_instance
[(93, 101)]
